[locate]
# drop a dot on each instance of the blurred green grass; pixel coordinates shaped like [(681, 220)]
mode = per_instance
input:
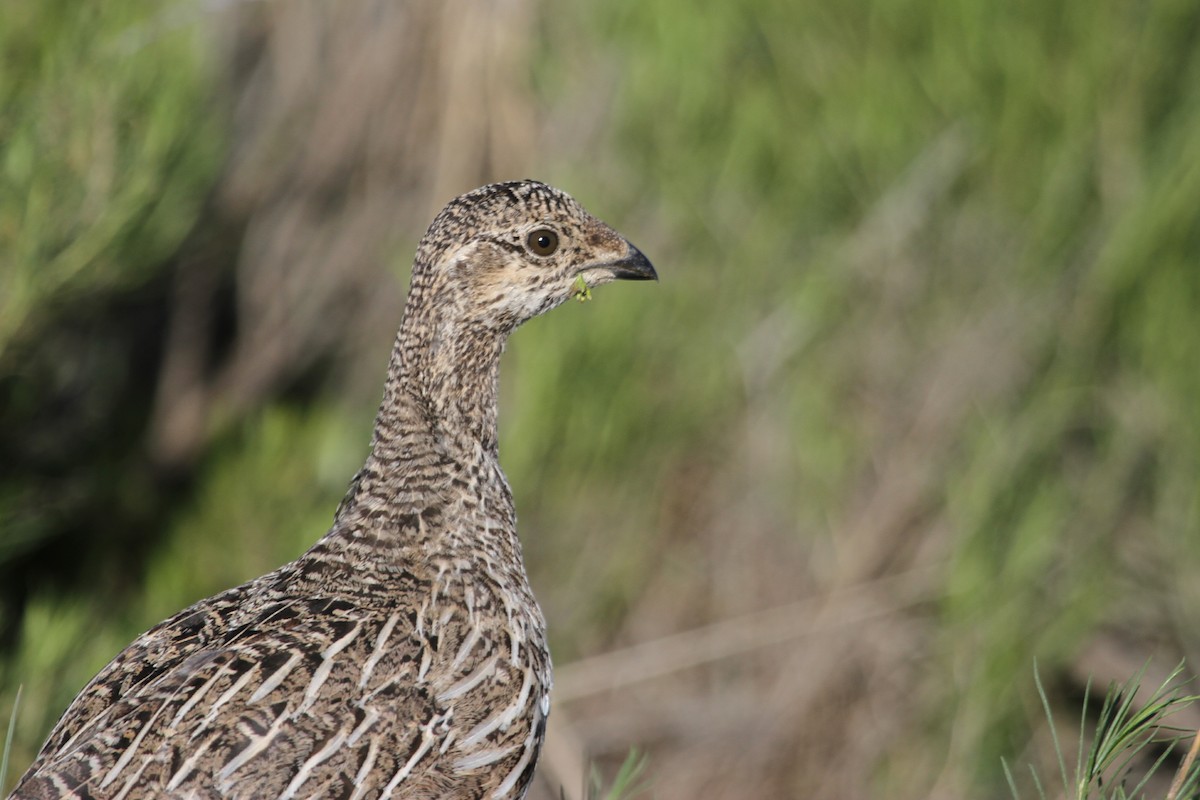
[(109, 145), (837, 197), (767, 137)]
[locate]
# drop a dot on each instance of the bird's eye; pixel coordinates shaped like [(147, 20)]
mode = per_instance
[(542, 242)]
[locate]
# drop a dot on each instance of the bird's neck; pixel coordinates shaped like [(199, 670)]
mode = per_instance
[(443, 381), (458, 379), (433, 456)]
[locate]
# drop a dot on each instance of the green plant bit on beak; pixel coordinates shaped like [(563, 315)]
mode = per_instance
[(582, 292)]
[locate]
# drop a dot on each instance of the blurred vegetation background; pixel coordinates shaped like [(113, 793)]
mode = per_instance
[(916, 403)]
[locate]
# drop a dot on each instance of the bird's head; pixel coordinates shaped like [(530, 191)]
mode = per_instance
[(503, 254)]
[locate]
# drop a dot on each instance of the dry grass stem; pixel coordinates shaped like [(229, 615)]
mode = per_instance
[(1185, 768), (733, 637)]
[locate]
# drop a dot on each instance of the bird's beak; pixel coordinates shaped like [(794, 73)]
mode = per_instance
[(633, 266)]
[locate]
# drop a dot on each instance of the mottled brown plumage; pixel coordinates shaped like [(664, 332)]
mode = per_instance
[(403, 655)]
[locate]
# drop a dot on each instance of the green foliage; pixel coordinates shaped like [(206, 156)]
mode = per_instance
[(583, 292), (107, 147), (825, 247), (1124, 730), (264, 498)]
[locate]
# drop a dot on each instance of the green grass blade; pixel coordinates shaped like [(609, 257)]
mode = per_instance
[(1037, 783), (1087, 696), (1008, 777), (625, 784), (8, 738), (1107, 758), (1062, 764)]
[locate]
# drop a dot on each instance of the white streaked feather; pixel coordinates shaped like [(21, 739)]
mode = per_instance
[(256, 746), (313, 761), (481, 758), (488, 667), (379, 651), (189, 763), (277, 677), (427, 740), (361, 785)]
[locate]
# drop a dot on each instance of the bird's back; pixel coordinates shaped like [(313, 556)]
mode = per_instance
[(276, 690)]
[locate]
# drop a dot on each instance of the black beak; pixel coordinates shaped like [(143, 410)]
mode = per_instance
[(633, 267)]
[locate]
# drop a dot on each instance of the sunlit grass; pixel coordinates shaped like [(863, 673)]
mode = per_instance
[(107, 149)]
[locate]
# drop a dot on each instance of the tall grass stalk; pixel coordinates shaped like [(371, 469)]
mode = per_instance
[(8, 739)]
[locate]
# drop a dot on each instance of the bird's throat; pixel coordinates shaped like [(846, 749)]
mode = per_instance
[(444, 380)]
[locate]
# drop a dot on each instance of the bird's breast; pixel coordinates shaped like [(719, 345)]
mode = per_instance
[(489, 670)]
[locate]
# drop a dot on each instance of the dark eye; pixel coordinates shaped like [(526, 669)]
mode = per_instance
[(542, 242)]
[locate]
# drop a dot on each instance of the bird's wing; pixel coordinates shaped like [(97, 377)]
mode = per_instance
[(293, 696), (156, 652)]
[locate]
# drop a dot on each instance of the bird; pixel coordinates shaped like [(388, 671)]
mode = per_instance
[(404, 654)]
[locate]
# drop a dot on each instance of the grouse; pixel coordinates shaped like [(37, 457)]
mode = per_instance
[(403, 655)]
